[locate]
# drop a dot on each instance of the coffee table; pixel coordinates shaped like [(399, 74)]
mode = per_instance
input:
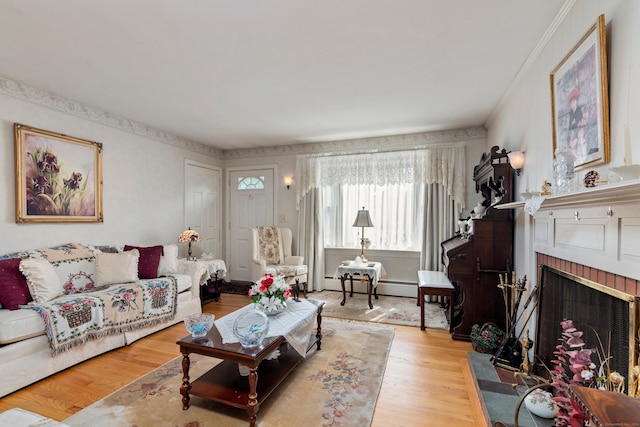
[(225, 385)]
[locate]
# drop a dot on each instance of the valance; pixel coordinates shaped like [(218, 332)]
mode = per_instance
[(444, 165)]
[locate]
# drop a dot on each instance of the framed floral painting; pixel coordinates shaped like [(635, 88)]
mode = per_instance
[(580, 100), (58, 177)]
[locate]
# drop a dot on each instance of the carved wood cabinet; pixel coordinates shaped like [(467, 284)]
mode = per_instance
[(474, 261)]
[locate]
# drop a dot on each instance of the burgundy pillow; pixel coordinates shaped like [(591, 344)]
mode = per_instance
[(14, 291), (149, 260)]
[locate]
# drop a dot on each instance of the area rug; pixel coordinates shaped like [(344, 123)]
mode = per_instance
[(386, 309), (336, 386)]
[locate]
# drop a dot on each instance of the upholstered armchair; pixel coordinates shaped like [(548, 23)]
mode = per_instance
[(271, 254)]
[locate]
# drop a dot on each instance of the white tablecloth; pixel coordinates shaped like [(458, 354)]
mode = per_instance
[(214, 266), (377, 271), (295, 324)]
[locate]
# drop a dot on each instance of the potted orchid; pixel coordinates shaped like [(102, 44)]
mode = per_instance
[(270, 294)]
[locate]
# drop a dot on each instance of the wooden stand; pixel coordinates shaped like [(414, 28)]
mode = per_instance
[(606, 408)]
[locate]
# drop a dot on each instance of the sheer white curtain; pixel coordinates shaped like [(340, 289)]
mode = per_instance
[(415, 171)]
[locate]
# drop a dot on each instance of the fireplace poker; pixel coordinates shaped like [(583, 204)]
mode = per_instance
[(519, 289)]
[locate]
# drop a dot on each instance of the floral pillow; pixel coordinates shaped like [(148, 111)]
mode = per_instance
[(75, 265)]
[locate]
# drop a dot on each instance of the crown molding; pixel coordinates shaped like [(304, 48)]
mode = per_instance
[(45, 99)]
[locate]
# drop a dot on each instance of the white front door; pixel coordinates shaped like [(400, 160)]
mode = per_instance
[(251, 204), (203, 207)]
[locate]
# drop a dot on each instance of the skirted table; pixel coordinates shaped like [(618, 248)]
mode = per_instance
[(371, 274), (216, 270)]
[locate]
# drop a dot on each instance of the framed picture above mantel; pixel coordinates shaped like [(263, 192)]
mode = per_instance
[(58, 177), (580, 100)]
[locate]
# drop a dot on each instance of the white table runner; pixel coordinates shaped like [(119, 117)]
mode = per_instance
[(294, 324)]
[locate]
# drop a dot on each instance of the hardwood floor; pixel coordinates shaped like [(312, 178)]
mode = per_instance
[(426, 382)]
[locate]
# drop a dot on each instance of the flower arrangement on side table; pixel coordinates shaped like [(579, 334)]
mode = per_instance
[(189, 236), (270, 294)]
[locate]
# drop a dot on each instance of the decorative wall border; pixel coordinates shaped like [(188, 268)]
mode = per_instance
[(45, 99), (55, 102)]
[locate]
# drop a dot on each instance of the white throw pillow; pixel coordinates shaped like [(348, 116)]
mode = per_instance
[(168, 260), (117, 268), (44, 284)]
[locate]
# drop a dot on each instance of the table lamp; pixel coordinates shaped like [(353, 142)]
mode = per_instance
[(363, 220)]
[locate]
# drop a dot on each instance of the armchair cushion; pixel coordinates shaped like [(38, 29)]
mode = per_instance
[(270, 248)]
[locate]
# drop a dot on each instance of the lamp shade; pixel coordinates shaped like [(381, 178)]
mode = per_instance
[(363, 219)]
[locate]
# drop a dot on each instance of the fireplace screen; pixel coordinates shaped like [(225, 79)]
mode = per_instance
[(593, 308)]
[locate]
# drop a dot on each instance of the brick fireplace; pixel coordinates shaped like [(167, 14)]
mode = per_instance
[(612, 280), (593, 234)]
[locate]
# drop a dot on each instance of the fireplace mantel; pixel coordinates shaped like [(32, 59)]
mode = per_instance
[(597, 227), (622, 192)]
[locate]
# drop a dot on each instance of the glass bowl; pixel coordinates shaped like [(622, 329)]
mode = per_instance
[(199, 324), (251, 327)]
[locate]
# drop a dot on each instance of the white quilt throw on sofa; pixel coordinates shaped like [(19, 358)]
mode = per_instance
[(73, 319)]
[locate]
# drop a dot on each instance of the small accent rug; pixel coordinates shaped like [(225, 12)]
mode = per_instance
[(336, 386), (386, 309)]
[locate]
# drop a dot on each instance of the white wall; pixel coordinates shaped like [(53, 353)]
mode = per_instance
[(143, 198), (523, 120)]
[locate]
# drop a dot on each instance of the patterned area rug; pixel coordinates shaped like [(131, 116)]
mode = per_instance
[(336, 386), (386, 309)]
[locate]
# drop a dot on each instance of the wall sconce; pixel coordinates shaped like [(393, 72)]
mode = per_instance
[(516, 160), (288, 181)]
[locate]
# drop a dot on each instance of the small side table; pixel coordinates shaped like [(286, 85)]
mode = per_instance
[(371, 274), (216, 271)]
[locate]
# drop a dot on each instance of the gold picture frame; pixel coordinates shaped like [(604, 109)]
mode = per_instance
[(58, 177), (580, 100)]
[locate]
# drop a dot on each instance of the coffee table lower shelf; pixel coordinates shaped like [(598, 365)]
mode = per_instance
[(224, 384)]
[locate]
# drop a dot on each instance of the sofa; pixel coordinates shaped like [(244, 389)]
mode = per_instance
[(41, 329)]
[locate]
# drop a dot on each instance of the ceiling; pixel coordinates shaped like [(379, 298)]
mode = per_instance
[(249, 73)]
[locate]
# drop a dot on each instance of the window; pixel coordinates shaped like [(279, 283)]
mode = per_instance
[(251, 183), (394, 209)]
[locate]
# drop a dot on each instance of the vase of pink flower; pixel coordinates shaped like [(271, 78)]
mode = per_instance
[(270, 294)]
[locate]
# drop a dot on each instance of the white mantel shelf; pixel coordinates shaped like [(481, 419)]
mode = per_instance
[(622, 192), (596, 227)]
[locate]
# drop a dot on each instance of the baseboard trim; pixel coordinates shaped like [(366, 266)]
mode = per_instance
[(384, 288)]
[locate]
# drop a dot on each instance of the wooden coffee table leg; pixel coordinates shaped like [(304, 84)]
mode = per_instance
[(253, 397), (186, 386)]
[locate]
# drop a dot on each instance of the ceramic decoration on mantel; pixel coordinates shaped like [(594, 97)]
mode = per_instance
[(628, 171)]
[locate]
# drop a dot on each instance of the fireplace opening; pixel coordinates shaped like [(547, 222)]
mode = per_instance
[(595, 309)]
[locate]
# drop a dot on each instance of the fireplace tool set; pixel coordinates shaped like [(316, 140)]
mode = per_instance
[(509, 354)]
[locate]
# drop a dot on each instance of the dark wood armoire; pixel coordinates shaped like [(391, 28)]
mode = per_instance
[(474, 261)]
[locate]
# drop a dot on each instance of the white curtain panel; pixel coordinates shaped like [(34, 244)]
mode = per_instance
[(310, 238), (437, 175)]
